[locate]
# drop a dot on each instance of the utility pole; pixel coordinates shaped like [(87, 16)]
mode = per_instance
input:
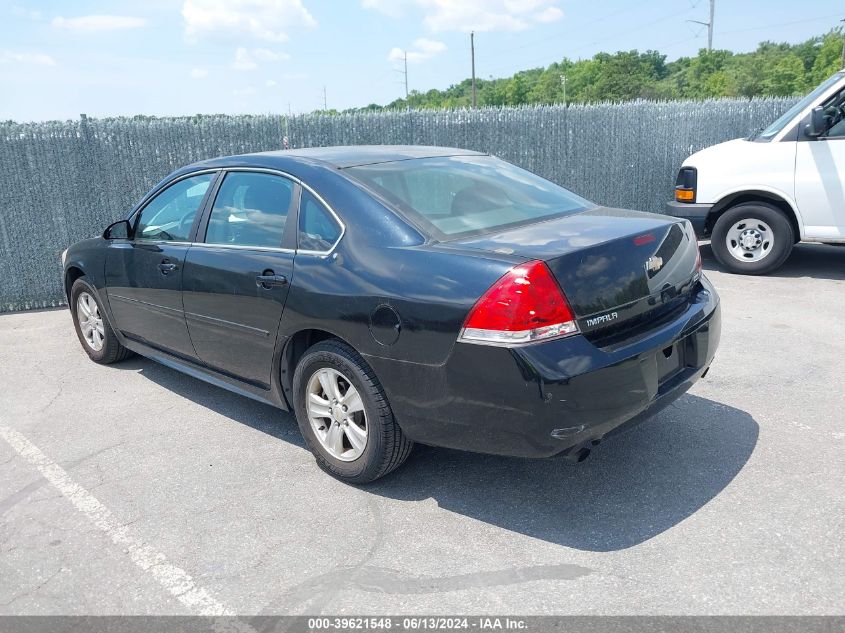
[(842, 63), (563, 83), (709, 25), (404, 74), (325, 107), (472, 54)]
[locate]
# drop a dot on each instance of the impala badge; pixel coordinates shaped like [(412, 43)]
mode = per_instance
[(653, 264)]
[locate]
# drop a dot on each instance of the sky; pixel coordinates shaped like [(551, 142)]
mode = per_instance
[(59, 59)]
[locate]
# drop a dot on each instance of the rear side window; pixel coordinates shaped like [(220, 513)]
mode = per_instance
[(170, 215), (318, 230), (250, 209)]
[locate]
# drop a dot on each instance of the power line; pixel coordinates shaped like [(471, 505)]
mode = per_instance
[(790, 23), (628, 31)]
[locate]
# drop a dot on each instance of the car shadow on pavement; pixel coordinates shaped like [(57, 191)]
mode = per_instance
[(633, 487), (260, 416), (819, 261)]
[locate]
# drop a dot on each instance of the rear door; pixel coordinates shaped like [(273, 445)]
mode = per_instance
[(144, 274), (237, 275)]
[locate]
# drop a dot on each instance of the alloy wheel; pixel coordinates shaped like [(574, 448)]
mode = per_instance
[(90, 321), (336, 414)]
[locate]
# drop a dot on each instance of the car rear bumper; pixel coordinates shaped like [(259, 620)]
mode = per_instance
[(695, 213), (555, 397)]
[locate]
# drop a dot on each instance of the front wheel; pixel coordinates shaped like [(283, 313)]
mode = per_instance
[(93, 329), (752, 238), (344, 415)]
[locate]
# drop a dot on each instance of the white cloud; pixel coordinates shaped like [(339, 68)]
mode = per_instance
[(473, 15), (38, 59), (270, 83), (549, 14), (243, 92), (199, 73), (421, 50), (246, 59), (92, 23), (268, 20), (393, 8), (23, 12)]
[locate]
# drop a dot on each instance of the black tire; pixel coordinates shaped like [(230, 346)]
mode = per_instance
[(386, 446), (782, 238), (111, 351)]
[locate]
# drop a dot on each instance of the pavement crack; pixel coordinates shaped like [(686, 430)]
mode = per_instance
[(32, 590)]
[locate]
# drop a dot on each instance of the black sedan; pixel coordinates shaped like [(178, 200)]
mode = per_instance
[(392, 295)]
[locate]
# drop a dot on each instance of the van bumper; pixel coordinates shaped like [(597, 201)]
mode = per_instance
[(694, 212)]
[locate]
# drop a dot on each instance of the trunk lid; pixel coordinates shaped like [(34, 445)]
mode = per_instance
[(621, 271)]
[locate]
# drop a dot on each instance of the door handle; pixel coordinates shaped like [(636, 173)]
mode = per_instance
[(269, 279), (167, 267)]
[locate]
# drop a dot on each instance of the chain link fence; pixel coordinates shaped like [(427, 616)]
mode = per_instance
[(63, 181)]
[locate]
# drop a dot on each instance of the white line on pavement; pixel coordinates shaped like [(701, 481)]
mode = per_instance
[(174, 579)]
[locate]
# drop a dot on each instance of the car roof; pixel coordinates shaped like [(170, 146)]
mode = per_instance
[(342, 156)]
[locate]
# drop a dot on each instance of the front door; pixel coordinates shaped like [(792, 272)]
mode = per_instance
[(144, 273), (820, 176), (236, 280)]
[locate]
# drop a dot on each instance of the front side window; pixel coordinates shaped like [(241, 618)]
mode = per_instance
[(318, 230), (459, 195), (170, 215), (835, 111), (783, 120), (250, 210)]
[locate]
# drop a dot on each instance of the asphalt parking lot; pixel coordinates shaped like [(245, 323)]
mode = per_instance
[(133, 489)]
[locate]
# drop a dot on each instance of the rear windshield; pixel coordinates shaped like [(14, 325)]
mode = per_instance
[(460, 195)]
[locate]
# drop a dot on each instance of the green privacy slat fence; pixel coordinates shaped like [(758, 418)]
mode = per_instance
[(61, 182)]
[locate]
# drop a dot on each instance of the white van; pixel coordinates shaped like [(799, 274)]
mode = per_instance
[(756, 197)]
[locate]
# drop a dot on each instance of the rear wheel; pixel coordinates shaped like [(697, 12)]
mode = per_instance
[(752, 238), (344, 415), (93, 329)]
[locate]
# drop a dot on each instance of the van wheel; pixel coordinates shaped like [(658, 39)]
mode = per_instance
[(344, 415), (752, 238)]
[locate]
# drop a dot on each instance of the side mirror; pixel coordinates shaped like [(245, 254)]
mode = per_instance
[(117, 231), (818, 123)]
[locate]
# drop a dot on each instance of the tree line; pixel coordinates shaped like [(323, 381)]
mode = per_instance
[(771, 70)]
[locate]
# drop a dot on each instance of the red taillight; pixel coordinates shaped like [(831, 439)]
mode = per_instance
[(525, 305), (642, 240)]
